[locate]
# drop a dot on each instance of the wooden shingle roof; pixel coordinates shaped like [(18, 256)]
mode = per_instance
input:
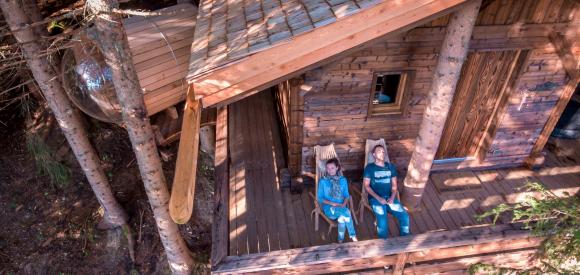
[(228, 30)]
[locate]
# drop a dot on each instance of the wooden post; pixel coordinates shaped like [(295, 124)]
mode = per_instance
[(451, 57), (181, 202), (219, 232), (400, 263), (563, 49)]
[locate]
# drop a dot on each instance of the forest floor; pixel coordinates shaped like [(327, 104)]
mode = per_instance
[(50, 227)]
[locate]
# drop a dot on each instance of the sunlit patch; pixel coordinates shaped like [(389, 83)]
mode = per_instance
[(456, 204)]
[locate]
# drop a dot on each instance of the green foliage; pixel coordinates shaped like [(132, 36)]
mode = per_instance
[(549, 215), (45, 162), (56, 26)]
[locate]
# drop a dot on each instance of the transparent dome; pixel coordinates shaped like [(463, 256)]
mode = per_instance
[(88, 82)]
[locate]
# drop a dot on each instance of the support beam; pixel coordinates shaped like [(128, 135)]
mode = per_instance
[(453, 54), (400, 264), (570, 63), (220, 237), (182, 193)]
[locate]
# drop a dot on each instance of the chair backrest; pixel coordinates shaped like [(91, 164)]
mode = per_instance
[(321, 155), (370, 145)]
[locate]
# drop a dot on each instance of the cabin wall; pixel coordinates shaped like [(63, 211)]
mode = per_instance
[(337, 95)]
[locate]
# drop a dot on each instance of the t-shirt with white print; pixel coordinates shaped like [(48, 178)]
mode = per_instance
[(381, 178)]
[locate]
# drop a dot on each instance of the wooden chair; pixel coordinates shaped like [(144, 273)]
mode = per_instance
[(323, 154), (369, 158)]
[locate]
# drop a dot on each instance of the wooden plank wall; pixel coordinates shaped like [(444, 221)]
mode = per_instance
[(336, 105), (290, 99)]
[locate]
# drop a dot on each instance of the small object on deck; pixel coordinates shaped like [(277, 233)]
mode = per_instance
[(296, 185), (285, 178)]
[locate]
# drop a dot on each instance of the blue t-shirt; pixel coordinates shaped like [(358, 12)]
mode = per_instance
[(381, 178)]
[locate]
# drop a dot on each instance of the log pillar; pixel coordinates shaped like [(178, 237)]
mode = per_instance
[(451, 57)]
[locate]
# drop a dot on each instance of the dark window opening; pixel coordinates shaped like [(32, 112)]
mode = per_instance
[(387, 93), (386, 88)]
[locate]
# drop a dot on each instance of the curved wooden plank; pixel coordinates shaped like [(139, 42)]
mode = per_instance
[(181, 202)]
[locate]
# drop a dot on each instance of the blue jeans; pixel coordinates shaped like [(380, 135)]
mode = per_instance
[(344, 219), (381, 212)]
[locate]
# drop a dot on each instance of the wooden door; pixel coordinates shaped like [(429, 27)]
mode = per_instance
[(483, 82)]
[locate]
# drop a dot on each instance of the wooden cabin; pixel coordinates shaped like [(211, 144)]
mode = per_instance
[(288, 75)]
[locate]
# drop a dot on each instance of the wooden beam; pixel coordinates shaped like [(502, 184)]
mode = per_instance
[(570, 63), (219, 233), (451, 57), (183, 190), (266, 68), (400, 264), (376, 253)]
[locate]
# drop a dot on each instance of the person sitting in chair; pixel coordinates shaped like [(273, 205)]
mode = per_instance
[(333, 197), (380, 181)]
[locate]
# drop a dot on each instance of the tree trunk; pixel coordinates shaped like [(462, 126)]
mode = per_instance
[(67, 116), (112, 40), (451, 57)]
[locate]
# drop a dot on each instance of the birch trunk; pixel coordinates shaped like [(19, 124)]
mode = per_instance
[(112, 40), (451, 57), (17, 15)]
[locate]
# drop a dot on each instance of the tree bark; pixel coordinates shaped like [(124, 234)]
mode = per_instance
[(67, 116), (112, 40), (451, 57)]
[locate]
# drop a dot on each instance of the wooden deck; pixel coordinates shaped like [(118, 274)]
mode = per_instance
[(264, 218)]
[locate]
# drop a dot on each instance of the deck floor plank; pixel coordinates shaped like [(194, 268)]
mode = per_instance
[(293, 233), (434, 212)]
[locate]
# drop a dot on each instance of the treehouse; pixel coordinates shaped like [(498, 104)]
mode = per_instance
[(464, 94), (287, 76)]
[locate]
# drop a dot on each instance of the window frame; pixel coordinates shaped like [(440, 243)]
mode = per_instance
[(397, 107)]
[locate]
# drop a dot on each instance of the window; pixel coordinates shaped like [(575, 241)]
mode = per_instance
[(388, 93)]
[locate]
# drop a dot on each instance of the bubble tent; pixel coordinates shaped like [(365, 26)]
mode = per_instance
[(88, 82)]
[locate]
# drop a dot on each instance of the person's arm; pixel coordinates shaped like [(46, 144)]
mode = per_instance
[(393, 190), (344, 189), (321, 194)]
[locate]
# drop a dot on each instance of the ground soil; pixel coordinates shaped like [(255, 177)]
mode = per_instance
[(51, 229)]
